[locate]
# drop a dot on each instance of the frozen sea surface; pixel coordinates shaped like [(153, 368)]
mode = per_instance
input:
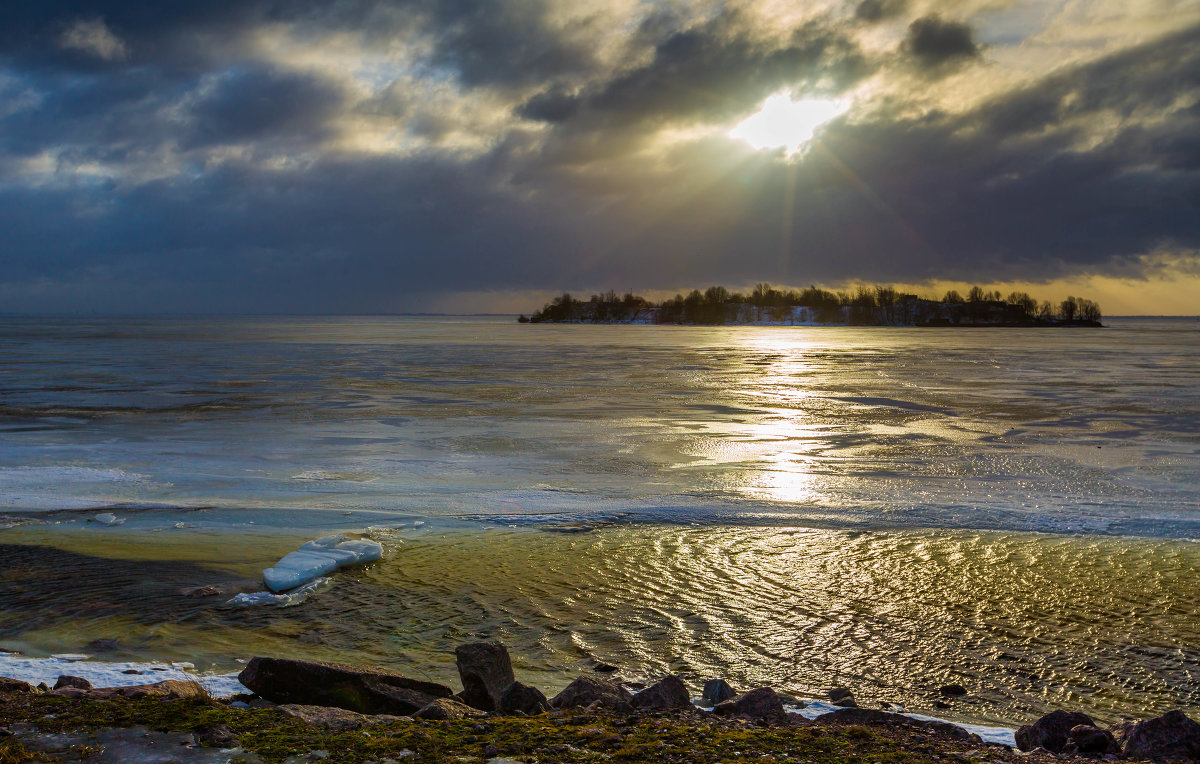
[(888, 508)]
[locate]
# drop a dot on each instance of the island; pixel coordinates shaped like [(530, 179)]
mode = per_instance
[(867, 306)]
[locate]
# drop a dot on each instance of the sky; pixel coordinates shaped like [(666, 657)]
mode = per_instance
[(362, 156)]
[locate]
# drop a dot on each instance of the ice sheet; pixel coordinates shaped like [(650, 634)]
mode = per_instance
[(104, 674)]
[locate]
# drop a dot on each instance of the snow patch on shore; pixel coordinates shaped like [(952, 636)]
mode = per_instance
[(105, 674)]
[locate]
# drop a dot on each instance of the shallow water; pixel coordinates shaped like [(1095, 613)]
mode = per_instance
[(891, 509)]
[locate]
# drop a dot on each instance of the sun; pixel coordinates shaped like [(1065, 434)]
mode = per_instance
[(783, 123)]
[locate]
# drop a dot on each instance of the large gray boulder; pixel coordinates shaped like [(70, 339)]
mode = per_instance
[(447, 709), (354, 688), (1168, 737), (668, 693), (587, 690), (763, 703), (486, 671), (1051, 731), (1090, 741)]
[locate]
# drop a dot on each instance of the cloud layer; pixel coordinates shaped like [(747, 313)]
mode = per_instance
[(362, 155)]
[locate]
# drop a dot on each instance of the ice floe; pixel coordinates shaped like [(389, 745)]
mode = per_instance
[(108, 518), (318, 557), (287, 599)]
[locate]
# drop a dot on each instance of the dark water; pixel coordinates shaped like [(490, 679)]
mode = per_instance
[(1013, 509)]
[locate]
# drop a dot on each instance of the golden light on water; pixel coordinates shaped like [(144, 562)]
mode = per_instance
[(784, 123)]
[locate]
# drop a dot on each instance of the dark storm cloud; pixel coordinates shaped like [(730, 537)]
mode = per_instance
[(934, 41), (877, 10), (714, 71), (157, 158)]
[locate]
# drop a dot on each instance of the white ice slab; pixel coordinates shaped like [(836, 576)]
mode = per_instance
[(318, 557)]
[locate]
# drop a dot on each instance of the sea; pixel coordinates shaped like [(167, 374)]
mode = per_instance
[(1016, 510)]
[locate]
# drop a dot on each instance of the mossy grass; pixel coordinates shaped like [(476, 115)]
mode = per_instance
[(554, 737)]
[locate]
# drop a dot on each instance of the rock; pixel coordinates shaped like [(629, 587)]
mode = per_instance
[(762, 703), (131, 671), (1168, 737), (103, 645), (871, 718), (837, 693), (16, 686), (604, 668), (169, 689), (322, 716), (1086, 739), (1051, 731), (667, 693), (447, 709), (587, 690), (76, 682), (521, 698), (354, 688), (846, 702), (486, 672), (952, 690), (717, 691), (216, 736)]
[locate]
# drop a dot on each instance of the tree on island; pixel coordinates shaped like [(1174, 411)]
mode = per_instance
[(877, 305)]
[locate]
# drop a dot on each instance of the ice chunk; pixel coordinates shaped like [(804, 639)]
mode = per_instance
[(318, 557), (287, 599), (108, 518)]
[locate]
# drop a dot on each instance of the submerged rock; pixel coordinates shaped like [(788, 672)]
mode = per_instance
[(762, 703), (1164, 738), (952, 690), (667, 693), (523, 699), (587, 690), (1051, 731), (717, 691), (354, 688), (486, 671)]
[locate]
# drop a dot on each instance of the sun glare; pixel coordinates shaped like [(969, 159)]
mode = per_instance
[(783, 123)]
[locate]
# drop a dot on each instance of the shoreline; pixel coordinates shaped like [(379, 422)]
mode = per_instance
[(295, 709)]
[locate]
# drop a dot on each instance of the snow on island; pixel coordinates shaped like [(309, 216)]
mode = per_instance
[(318, 557)]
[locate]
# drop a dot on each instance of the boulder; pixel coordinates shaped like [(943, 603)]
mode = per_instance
[(321, 716), (486, 672), (952, 690), (763, 703), (869, 717), (846, 702), (75, 682), (838, 693), (1164, 738), (717, 691), (587, 690), (216, 736), (1086, 739), (1051, 731), (168, 689), (667, 693), (520, 698), (354, 688), (16, 686), (447, 709)]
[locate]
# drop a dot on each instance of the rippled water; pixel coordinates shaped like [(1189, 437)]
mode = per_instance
[(886, 508)]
